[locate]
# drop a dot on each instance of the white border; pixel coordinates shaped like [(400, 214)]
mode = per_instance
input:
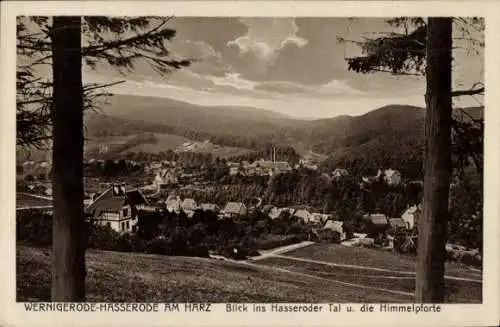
[(12, 314)]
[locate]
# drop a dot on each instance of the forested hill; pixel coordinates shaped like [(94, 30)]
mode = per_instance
[(391, 136), (385, 137), (241, 126)]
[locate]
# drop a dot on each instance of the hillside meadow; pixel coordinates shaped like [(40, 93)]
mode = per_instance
[(135, 277), (132, 277)]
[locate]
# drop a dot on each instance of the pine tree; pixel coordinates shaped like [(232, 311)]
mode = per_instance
[(425, 48), (52, 110)]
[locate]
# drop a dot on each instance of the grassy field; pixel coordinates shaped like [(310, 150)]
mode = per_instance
[(458, 291), (334, 253), (132, 277), (25, 200), (162, 142)]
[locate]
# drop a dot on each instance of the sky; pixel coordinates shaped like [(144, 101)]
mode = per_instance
[(294, 66)]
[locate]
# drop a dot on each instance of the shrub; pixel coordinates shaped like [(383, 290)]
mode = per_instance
[(103, 238), (336, 237), (159, 245), (34, 227)]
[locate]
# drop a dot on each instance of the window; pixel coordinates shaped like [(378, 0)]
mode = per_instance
[(123, 226), (108, 224), (125, 212), (128, 225)]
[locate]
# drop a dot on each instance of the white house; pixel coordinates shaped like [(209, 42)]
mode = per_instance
[(410, 216), (166, 177), (336, 226), (392, 177), (173, 203), (118, 217), (234, 170), (305, 215), (320, 218), (116, 208), (189, 205), (274, 212)]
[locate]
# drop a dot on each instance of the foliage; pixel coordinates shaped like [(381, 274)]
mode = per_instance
[(404, 53), (34, 227), (118, 42)]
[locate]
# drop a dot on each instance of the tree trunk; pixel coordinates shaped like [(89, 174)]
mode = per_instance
[(68, 240), (437, 164)]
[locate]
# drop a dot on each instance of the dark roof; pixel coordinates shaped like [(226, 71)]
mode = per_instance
[(135, 197), (376, 219), (397, 223), (110, 200), (113, 204)]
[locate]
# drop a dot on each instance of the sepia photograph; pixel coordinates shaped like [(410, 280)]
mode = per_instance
[(227, 159), (249, 159)]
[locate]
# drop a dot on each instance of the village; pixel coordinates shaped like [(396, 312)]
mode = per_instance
[(118, 204)]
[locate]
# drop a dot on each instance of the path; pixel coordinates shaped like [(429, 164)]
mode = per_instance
[(280, 250), (284, 270), (331, 264), (278, 253)]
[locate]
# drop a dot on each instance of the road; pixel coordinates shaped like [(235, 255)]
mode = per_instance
[(280, 250)]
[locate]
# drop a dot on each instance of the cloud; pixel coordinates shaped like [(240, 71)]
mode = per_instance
[(266, 36)]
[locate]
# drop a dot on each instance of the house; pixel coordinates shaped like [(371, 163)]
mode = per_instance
[(304, 214), (332, 231), (274, 213), (266, 167), (173, 203), (234, 209), (280, 212), (339, 173), (234, 171), (410, 216), (320, 218), (166, 177), (398, 225), (156, 207), (267, 208), (375, 223), (334, 225), (116, 208), (209, 207), (189, 205), (392, 177)]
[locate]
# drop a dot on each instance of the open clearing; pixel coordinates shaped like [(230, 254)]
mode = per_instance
[(162, 142), (136, 277)]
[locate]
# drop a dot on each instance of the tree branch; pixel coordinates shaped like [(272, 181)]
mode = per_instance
[(467, 92)]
